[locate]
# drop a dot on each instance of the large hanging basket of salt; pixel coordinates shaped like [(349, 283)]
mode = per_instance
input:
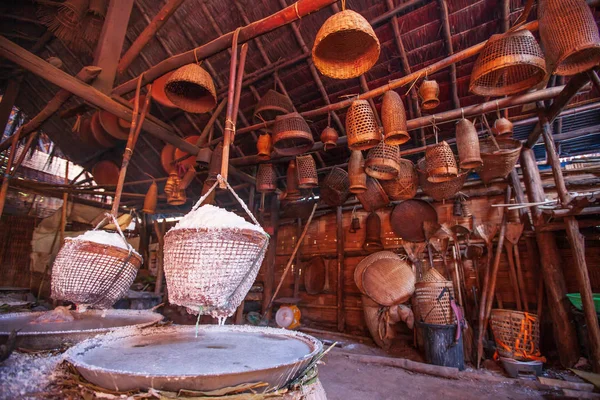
[(95, 269), (192, 89), (212, 257), (346, 46)]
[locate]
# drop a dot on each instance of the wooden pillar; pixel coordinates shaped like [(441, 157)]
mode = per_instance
[(551, 266), (297, 261), (577, 243), (110, 44), (8, 101), (341, 322), (269, 275)]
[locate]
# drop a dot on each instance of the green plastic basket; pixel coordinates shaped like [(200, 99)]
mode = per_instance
[(576, 300)]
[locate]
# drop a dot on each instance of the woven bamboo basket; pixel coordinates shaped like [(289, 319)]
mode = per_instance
[(429, 93), (335, 188), (509, 63), (405, 185), (383, 161), (503, 126), (94, 274), (432, 275), (266, 180), (291, 135), (440, 163), (374, 197), (329, 138), (443, 190), (373, 233), (393, 116), (361, 126), (366, 262), (151, 199), (192, 89), (307, 172), (292, 184), (356, 172), (434, 309), (516, 333), (467, 143), (389, 281), (270, 106), (346, 46), (569, 35), (264, 145), (498, 163)]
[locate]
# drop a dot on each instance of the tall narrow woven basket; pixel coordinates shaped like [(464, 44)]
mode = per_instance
[(443, 190), (383, 161), (192, 89), (517, 334), (569, 36), (307, 172), (264, 146), (291, 135), (467, 143), (361, 126), (94, 274), (405, 185), (356, 172), (374, 197), (393, 116), (498, 163), (271, 105), (266, 180), (434, 309), (440, 163), (335, 188)]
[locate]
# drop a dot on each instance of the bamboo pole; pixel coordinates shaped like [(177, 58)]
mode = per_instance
[(65, 206), (160, 234), (341, 318)]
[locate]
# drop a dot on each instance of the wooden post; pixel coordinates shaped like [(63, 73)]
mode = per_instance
[(341, 318), (160, 234), (269, 274), (65, 206), (551, 266), (297, 261), (8, 101), (110, 43)]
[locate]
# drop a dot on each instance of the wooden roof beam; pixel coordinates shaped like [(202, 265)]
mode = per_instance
[(448, 41)]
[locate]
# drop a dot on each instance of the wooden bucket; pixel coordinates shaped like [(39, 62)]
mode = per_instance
[(467, 143), (192, 89)]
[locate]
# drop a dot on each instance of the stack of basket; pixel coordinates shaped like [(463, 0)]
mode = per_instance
[(432, 295)]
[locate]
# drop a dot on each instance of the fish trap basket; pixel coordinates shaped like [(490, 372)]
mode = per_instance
[(442, 190), (361, 126), (94, 274), (434, 309), (404, 186), (292, 135), (210, 271), (356, 172), (335, 188), (393, 116), (569, 36), (307, 172), (429, 92), (383, 161), (192, 89), (374, 197), (467, 142), (517, 334), (266, 179), (498, 163), (441, 163), (509, 63), (271, 105)]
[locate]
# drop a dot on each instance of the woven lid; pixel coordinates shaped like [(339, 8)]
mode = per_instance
[(346, 46), (292, 135), (191, 88), (366, 262)]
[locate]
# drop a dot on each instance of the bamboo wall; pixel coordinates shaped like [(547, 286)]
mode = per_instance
[(16, 232)]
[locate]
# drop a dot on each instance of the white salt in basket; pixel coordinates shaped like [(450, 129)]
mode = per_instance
[(212, 257), (95, 269)]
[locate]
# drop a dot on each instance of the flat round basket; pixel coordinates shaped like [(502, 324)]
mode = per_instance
[(167, 155), (188, 161), (100, 135), (158, 91), (111, 125), (374, 197), (408, 218), (366, 262), (315, 276), (292, 135), (389, 281), (498, 163)]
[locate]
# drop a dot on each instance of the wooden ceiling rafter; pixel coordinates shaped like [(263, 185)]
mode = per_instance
[(450, 50)]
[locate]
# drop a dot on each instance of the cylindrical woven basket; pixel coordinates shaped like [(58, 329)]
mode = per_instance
[(329, 138), (192, 89), (271, 105), (443, 190), (356, 172), (383, 161), (374, 197), (307, 172), (373, 233), (393, 117), (389, 281), (405, 185), (467, 143), (266, 180), (503, 126), (511, 340), (509, 63), (291, 135), (434, 309), (498, 163), (346, 46), (335, 188), (429, 92), (264, 146), (292, 184), (440, 163), (151, 199), (361, 126), (569, 35), (94, 274)]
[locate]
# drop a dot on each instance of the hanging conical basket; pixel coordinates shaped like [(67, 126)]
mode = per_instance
[(346, 46), (293, 186), (335, 187), (361, 126), (291, 135), (307, 172), (266, 180), (508, 64), (356, 172), (569, 35), (440, 163), (404, 186), (442, 190), (393, 116), (151, 199), (467, 143), (271, 105), (191, 88), (383, 161), (264, 145)]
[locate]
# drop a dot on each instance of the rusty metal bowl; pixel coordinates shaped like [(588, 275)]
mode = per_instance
[(408, 218)]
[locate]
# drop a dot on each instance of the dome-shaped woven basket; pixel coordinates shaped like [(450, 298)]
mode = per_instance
[(291, 135), (361, 126), (335, 188), (158, 91), (440, 163), (329, 137), (498, 163), (271, 105), (467, 143), (569, 35), (404, 186), (383, 161), (307, 172), (389, 281), (192, 89), (374, 197), (516, 333), (266, 180), (346, 46), (432, 308), (442, 190), (393, 117), (508, 64), (366, 262), (93, 274), (429, 92), (503, 126), (356, 172), (264, 146)]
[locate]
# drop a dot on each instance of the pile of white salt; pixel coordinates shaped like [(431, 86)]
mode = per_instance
[(211, 217), (103, 237)]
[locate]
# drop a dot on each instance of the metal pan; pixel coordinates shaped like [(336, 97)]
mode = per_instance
[(408, 218)]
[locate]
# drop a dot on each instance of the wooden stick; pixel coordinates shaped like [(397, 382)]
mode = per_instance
[(65, 206), (341, 320), (211, 122), (9, 164), (512, 274), (520, 279), (160, 234)]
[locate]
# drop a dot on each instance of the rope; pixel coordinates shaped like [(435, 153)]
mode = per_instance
[(343, 5), (296, 9)]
